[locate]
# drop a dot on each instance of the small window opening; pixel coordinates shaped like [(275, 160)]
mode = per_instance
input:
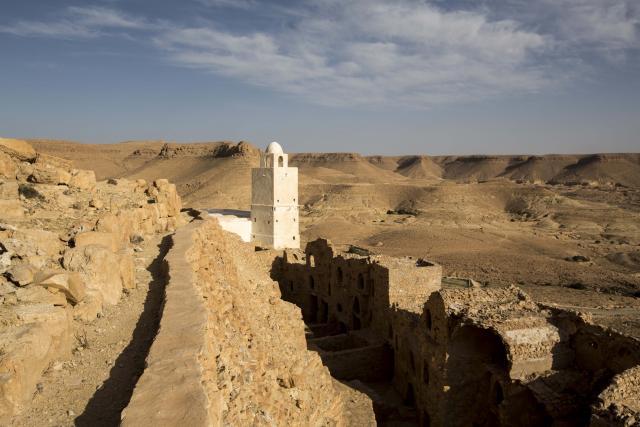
[(498, 394)]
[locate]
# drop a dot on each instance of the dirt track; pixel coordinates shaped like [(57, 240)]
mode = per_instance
[(95, 384)]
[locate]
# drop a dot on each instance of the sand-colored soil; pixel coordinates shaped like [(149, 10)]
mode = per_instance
[(567, 228)]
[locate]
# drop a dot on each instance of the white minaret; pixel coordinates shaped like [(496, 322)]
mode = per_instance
[(274, 201)]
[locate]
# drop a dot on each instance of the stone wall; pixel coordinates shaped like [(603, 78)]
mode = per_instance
[(457, 355), (229, 351), (66, 250)]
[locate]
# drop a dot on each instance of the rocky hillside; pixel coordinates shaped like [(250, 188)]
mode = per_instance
[(66, 253)]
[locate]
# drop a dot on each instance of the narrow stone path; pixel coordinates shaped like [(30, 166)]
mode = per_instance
[(95, 384)]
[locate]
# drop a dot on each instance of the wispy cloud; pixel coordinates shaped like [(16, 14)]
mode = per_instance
[(370, 52), (374, 52), (78, 22)]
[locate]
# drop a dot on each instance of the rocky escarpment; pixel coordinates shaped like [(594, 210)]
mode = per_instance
[(207, 150), (229, 350), (66, 252)]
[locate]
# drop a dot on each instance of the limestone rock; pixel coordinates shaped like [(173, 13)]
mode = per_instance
[(8, 168), (39, 295), (96, 203), (127, 269), (168, 196), (11, 209), (18, 149), (100, 267), (27, 350), (29, 245), (108, 240), (47, 174), (22, 274), (89, 308), (9, 190), (83, 179), (69, 283)]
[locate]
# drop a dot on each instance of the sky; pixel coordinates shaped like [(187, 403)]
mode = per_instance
[(370, 76)]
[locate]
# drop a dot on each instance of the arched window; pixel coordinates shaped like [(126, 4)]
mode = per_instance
[(312, 260), (280, 161), (339, 275), (360, 281)]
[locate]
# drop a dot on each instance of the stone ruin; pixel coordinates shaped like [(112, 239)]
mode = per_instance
[(455, 355), (301, 338)]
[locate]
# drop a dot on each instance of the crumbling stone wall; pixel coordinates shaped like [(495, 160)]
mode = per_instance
[(66, 251), (229, 350), (457, 355)]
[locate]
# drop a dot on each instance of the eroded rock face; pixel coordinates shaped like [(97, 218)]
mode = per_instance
[(65, 253)]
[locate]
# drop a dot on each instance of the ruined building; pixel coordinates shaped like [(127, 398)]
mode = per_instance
[(455, 355), (274, 201)]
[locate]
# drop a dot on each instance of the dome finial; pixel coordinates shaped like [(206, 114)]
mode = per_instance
[(274, 148)]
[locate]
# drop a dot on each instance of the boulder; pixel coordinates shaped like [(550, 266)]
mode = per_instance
[(108, 240), (69, 283), (18, 149), (32, 245), (82, 179), (9, 190), (8, 168), (27, 350), (168, 196), (89, 308), (21, 274), (38, 295), (127, 269), (47, 174), (98, 265), (11, 209)]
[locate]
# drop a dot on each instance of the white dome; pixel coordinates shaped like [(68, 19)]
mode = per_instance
[(274, 148)]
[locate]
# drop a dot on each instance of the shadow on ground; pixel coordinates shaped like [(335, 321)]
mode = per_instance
[(113, 396)]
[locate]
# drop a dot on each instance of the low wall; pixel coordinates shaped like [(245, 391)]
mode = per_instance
[(229, 351), (170, 392)]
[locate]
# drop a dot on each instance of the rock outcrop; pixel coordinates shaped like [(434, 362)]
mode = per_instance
[(66, 251)]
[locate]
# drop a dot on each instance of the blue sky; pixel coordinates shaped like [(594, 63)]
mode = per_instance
[(372, 76)]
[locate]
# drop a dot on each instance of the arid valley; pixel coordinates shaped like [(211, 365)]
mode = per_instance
[(418, 287), (564, 227)]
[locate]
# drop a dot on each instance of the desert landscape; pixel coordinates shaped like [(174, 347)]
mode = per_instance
[(124, 303), (559, 225)]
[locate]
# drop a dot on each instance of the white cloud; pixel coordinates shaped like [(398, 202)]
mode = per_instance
[(375, 52), (77, 22), (368, 52)]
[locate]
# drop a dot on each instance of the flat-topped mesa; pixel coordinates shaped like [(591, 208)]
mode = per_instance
[(274, 201)]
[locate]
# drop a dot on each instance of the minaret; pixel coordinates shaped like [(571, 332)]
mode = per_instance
[(274, 201)]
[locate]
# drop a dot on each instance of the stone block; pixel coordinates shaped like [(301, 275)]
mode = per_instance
[(99, 266), (108, 240), (18, 149), (82, 179), (69, 283)]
